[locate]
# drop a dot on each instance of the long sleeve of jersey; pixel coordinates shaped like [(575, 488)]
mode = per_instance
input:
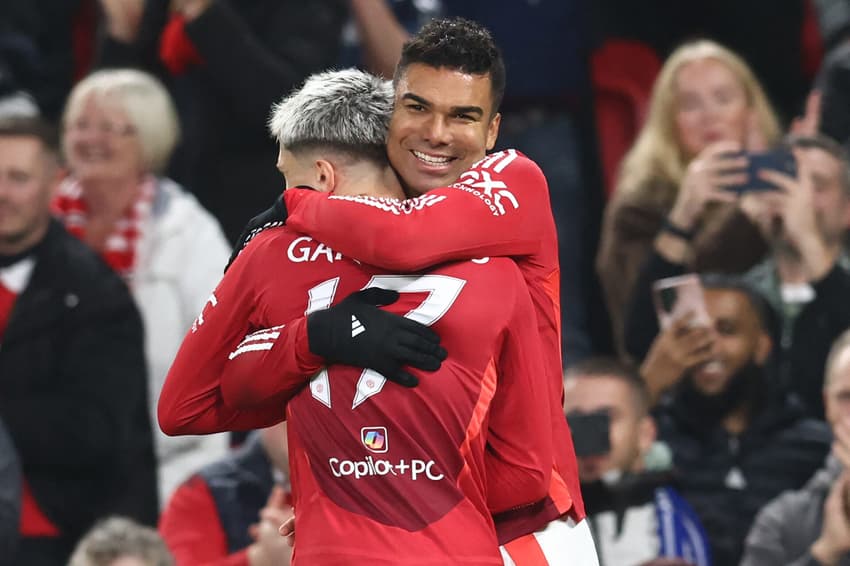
[(519, 443), (495, 208), (192, 399), (271, 363)]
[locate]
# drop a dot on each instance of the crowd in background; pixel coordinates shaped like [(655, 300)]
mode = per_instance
[(725, 435)]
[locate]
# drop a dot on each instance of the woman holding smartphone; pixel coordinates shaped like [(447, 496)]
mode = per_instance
[(707, 109)]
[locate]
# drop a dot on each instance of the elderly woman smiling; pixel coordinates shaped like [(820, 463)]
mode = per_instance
[(120, 127)]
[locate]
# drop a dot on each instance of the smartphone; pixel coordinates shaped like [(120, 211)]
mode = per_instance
[(675, 297), (781, 160), (591, 432)]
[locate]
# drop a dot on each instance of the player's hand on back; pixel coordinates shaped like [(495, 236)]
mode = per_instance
[(273, 216), (357, 332)]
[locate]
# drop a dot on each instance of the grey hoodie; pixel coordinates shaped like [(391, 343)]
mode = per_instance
[(787, 526)]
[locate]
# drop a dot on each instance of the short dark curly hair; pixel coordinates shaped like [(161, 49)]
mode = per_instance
[(460, 44)]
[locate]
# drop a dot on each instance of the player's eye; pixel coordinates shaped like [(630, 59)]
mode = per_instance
[(465, 117), (416, 107)]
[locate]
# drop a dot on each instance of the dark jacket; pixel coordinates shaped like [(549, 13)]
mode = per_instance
[(728, 479), (10, 497), (786, 528), (240, 486), (73, 394), (803, 339), (254, 52)]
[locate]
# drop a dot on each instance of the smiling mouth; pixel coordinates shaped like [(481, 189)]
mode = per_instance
[(432, 159), (712, 369)]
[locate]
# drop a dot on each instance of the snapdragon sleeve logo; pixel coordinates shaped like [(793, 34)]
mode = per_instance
[(375, 439)]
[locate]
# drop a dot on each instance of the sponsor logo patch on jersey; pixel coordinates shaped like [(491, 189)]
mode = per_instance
[(493, 192), (375, 439)]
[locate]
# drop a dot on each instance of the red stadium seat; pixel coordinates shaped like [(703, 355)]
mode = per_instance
[(811, 48), (623, 73)]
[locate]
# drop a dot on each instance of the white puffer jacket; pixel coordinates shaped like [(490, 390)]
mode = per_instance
[(181, 258)]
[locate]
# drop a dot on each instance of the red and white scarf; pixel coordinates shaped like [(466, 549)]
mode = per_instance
[(121, 249)]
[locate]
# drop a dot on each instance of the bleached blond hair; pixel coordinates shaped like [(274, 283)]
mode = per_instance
[(347, 110)]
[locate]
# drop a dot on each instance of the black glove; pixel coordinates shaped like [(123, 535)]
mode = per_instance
[(269, 218), (357, 333)]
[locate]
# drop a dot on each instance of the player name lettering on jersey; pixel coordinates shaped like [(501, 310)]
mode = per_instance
[(371, 467), (304, 249)]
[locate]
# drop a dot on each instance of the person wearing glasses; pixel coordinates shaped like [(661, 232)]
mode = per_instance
[(119, 129)]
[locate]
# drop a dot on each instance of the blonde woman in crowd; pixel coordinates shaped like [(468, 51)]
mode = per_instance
[(706, 108), (119, 129)]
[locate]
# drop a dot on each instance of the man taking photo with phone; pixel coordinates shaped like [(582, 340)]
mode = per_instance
[(737, 440), (805, 276), (629, 506)]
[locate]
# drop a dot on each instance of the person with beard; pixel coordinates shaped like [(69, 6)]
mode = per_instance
[(73, 383), (805, 276), (636, 514), (737, 440)]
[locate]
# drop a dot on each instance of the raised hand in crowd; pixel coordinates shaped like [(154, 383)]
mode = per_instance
[(809, 123), (683, 345), (190, 9), (790, 214), (718, 166), (269, 548), (834, 540)]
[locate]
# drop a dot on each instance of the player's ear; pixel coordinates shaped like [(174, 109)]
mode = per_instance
[(325, 178), (493, 130)]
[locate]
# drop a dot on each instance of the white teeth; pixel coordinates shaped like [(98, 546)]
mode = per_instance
[(433, 159)]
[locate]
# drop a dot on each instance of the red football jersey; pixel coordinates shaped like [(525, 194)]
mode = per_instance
[(381, 474), (500, 207)]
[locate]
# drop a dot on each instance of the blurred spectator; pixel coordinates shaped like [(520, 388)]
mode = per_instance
[(120, 128), (546, 114), (373, 36), (73, 393), (35, 53), (228, 62), (736, 441), (812, 526), (229, 513), (636, 513), (805, 276), (706, 104), (10, 490), (121, 542)]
